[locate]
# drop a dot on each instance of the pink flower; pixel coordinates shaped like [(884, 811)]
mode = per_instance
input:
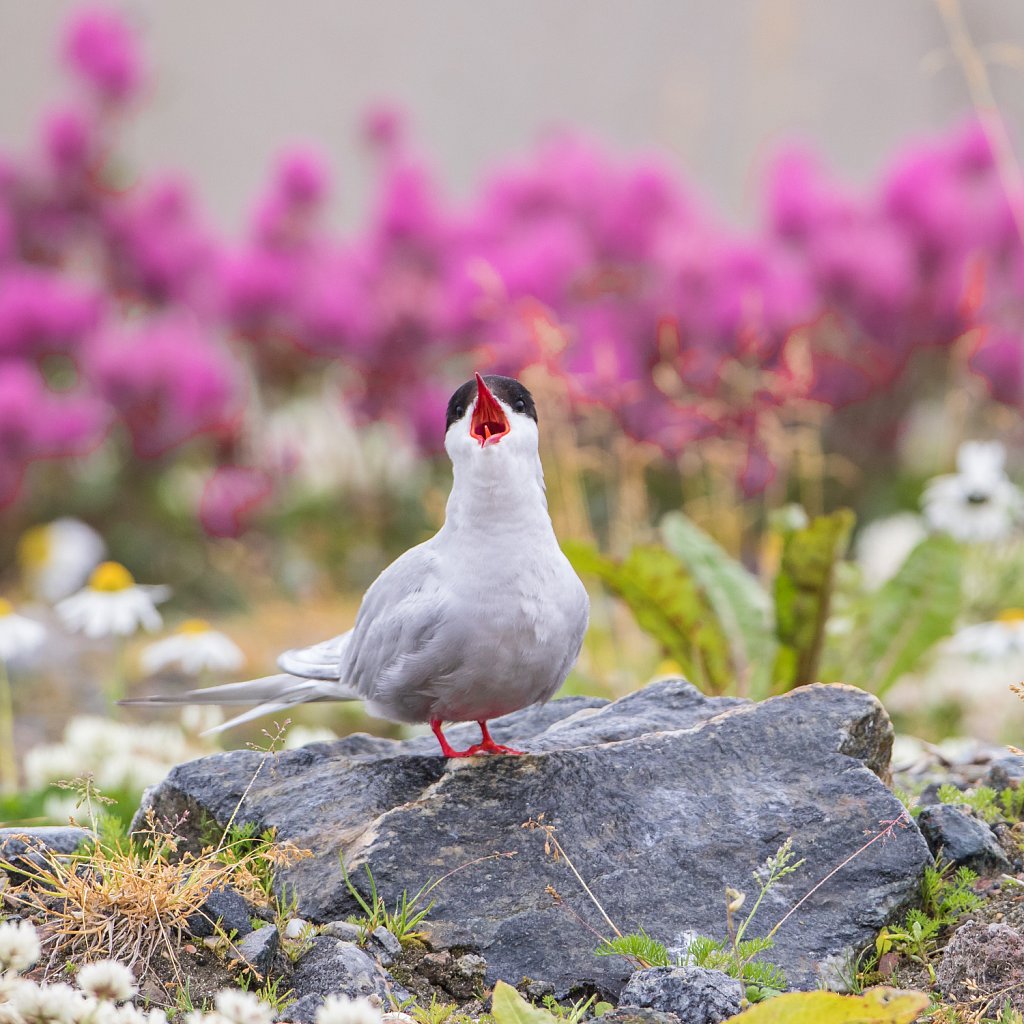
[(169, 381), (230, 498), (36, 423), (70, 143), (42, 312), (999, 361), (384, 127), (102, 50)]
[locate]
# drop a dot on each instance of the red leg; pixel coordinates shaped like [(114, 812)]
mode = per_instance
[(446, 748), (489, 745)]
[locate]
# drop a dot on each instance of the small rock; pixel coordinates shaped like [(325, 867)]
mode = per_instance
[(295, 928), (344, 930), (461, 977), (224, 906), (335, 967), (960, 838), (981, 960), (535, 991), (1006, 773), (259, 948), (639, 1015), (387, 940), (24, 848), (694, 994)]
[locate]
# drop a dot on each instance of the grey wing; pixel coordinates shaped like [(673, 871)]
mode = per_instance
[(321, 661), (399, 648)]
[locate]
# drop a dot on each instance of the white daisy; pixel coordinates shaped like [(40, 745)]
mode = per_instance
[(56, 558), (883, 546), (19, 636), (112, 604), (992, 641), (195, 648), (19, 946), (340, 1009), (978, 503), (107, 980), (242, 1007)]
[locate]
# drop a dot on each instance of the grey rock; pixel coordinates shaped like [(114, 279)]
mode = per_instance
[(225, 906), (960, 838), (694, 994), (335, 967), (1006, 773), (259, 948), (460, 976), (639, 1015), (344, 930), (304, 1010), (662, 799), (982, 959), (387, 941), (24, 848)]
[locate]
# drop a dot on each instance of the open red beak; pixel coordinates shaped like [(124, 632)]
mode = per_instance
[(490, 424)]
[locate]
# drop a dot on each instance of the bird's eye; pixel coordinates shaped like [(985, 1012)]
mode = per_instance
[(460, 411), (520, 406)]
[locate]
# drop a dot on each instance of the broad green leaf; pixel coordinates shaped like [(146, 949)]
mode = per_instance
[(876, 1006), (910, 613), (741, 604), (667, 604), (803, 589), (509, 1007)]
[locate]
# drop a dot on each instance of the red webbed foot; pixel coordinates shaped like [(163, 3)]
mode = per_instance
[(486, 746)]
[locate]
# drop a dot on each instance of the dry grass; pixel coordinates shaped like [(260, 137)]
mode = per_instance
[(129, 898)]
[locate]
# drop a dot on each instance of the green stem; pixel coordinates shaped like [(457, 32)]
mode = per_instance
[(8, 762)]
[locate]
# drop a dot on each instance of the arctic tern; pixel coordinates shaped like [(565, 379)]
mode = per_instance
[(485, 618)]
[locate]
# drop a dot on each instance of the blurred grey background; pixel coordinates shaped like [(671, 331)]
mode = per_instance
[(715, 85)]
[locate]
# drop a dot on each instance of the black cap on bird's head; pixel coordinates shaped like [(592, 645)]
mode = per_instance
[(490, 422)]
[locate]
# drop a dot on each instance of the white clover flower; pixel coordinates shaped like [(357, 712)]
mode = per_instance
[(19, 946), (883, 546), (991, 641), (195, 647), (242, 1007), (56, 558), (19, 636), (978, 503), (47, 1004), (342, 1010), (107, 980), (129, 1014), (113, 604), (156, 1016)]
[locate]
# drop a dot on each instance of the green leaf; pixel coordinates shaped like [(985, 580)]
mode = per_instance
[(803, 590), (667, 604), (910, 613), (876, 1006), (509, 1007), (741, 604)]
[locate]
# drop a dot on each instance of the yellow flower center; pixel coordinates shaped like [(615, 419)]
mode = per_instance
[(1013, 616), (194, 626), (34, 547), (111, 576), (6, 608)]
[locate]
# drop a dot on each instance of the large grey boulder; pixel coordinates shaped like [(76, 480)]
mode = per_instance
[(661, 800)]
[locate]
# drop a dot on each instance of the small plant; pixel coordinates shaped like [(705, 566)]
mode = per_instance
[(946, 895), (575, 1012), (269, 992), (402, 922), (437, 1012), (990, 805), (737, 955)]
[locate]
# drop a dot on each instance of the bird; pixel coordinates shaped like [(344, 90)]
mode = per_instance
[(484, 618)]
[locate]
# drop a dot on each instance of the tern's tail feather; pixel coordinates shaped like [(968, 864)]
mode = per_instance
[(270, 693)]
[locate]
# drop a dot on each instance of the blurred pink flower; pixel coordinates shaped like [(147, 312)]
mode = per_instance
[(384, 126), (36, 423), (70, 143), (103, 51), (999, 361), (169, 381), (230, 498), (42, 312)]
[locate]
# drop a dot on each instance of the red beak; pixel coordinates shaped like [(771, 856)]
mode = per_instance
[(490, 424)]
